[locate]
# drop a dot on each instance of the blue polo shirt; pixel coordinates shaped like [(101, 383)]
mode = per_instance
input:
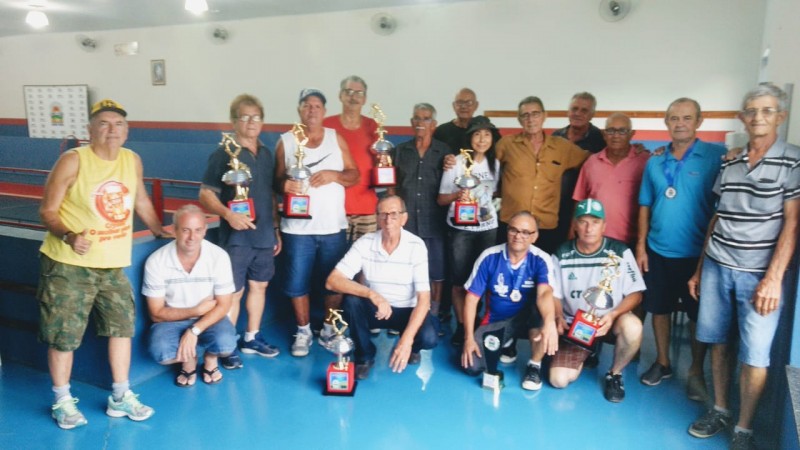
[(678, 225)]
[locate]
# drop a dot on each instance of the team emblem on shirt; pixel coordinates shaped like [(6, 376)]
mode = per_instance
[(501, 287)]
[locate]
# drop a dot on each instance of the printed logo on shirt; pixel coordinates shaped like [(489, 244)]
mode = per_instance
[(113, 201), (500, 287), (572, 276)]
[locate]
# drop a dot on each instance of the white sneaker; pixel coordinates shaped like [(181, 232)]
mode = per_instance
[(326, 339), (302, 344)]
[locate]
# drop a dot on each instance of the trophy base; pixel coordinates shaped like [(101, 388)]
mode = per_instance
[(340, 382), (582, 332), (296, 206), (245, 207), (384, 177), (466, 213), (493, 381)]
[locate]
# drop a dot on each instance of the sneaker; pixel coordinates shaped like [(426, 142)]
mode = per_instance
[(533, 378), (129, 406), (326, 340), (710, 424), (508, 354), (232, 361), (259, 346), (67, 415), (696, 388), (302, 344), (392, 332), (594, 359), (743, 441), (615, 388), (655, 374)]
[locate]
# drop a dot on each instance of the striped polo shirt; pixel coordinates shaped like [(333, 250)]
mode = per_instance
[(750, 211)]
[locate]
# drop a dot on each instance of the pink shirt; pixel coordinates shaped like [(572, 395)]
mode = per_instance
[(617, 188)]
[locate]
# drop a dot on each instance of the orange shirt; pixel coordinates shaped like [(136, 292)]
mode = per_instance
[(359, 199)]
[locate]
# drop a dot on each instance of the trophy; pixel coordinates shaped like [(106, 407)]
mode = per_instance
[(492, 376), (466, 212), (240, 177), (383, 174), (297, 206), (584, 327), (341, 377)]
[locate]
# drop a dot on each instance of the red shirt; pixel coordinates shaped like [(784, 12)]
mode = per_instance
[(359, 199)]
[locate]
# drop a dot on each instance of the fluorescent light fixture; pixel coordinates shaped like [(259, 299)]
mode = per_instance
[(196, 6), (37, 19)]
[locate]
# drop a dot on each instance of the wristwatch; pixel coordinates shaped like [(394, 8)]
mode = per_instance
[(195, 331), (65, 236)]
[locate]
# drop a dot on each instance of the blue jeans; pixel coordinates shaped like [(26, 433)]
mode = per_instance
[(360, 315), (165, 337), (306, 255), (725, 296)]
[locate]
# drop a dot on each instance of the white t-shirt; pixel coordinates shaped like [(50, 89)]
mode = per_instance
[(483, 193)]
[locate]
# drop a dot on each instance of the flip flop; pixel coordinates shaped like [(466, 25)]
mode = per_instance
[(210, 374), (187, 376)]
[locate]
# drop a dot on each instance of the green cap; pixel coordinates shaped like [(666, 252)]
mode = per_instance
[(590, 207)]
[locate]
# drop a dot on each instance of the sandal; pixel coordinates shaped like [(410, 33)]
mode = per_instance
[(208, 375), (188, 376)]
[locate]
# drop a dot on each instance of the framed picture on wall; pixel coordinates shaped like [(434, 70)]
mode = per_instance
[(57, 111), (158, 72)]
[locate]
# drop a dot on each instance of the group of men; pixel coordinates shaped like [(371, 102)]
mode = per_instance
[(388, 257)]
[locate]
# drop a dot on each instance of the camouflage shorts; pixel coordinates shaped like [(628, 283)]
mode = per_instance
[(358, 226), (68, 294)]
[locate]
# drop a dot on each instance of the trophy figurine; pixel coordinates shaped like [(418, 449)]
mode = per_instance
[(383, 174), (240, 177), (296, 206), (585, 325), (466, 211), (492, 376), (341, 377)]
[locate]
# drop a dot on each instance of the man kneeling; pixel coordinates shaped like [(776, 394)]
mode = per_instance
[(189, 285), (579, 265)]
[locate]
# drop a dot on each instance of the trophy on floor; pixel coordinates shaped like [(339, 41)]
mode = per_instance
[(240, 177), (585, 325), (341, 377), (383, 174), (296, 206), (466, 212), (492, 376)]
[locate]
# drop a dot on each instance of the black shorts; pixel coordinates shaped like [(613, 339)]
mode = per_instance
[(667, 289)]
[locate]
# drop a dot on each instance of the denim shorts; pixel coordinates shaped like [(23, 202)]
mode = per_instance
[(249, 263), (725, 306), (436, 264), (165, 338), (307, 256)]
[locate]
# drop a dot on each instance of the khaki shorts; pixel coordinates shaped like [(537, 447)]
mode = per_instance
[(68, 294)]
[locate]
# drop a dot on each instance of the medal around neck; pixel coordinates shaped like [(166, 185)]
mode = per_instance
[(492, 376), (341, 377), (238, 176), (466, 212), (383, 174), (671, 192), (586, 323), (297, 206)]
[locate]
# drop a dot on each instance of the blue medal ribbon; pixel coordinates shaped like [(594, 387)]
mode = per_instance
[(671, 176)]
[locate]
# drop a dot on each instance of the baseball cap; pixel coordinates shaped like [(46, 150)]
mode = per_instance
[(308, 92), (590, 207), (108, 105)]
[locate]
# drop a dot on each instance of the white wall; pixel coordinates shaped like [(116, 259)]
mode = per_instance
[(782, 38), (504, 49)]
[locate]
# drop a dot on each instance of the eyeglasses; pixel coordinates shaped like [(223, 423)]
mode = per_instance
[(525, 233), (530, 115), (422, 119), (463, 103), (247, 118), (390, 215), (766, 112), (354, 93), (617, 131)]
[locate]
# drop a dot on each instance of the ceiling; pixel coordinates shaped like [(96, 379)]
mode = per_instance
[(97, 15)]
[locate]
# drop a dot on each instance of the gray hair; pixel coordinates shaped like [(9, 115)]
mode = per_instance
[(684, 100), (426, 107), (467, 90), (765, 90), (391, 197), (530, 99), (352, 79), (619, 115), (584, 96), (185, 210)]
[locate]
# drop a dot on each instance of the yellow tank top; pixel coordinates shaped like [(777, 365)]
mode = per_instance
[(101, 200)]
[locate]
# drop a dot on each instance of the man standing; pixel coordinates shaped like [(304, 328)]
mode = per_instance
[(252, 245), (454, 133), (532, 165), (87, 208), (518, 279), (395, 294), (314, 245), (613, 177), (676, 201), (580, 264), (360, 133), (189, 285), (580, 130), (751, 239)]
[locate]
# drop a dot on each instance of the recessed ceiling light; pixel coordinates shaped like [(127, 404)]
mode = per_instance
[(37, 19), (196, 6)]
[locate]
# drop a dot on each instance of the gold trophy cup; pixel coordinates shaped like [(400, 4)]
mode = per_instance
[(297, 206), (466, 212), (340, 378), (585, 325), (383, 174), (239, 176)]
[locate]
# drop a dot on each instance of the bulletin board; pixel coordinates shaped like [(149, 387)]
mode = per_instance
[(57, 111)]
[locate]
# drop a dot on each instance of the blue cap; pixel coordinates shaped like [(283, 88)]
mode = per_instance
[(308, 92)]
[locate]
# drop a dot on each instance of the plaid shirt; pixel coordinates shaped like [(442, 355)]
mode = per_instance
[(418, 182)]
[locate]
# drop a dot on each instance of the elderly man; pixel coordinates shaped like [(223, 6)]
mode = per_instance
[(314, 245), (87, 208), (748, 248), (580, 129), (533, 164), (676, 201), (579, 265), (189, 285), (613, 177), (251, 244), (517, 279), (359, 133), (395, 294), (454, 133), (420, 164)]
